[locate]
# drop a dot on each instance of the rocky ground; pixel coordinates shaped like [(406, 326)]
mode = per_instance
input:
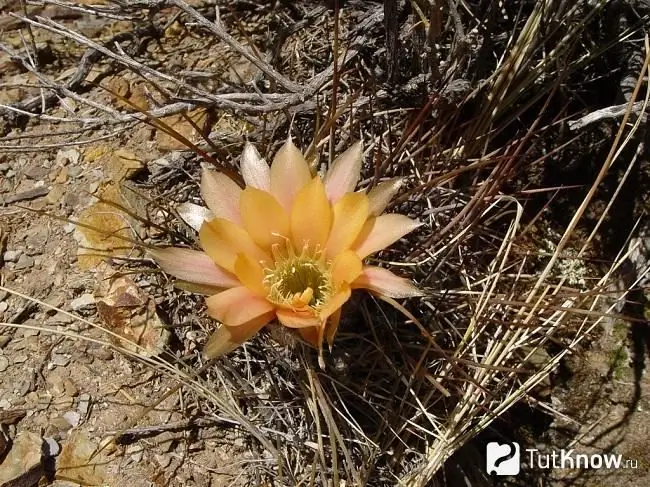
[(64, 399)]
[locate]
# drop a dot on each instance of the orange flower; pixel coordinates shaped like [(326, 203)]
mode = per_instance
[(289, 246)]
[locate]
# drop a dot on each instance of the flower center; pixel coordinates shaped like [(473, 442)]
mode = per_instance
[(298, 280)]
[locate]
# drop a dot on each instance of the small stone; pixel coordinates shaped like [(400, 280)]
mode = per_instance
[(5, 405), (51, 447), (93, 187), (84, 404), (60, 360), (55, 384), (44, 399), (4, 167), (70, 388), (20, 359), (60, 423), (163, 460), (74, 171), (83, 301), (55, 195), (62, 177), (4, 339), (101, 353), (24, 262), (72, 417), (36, 172), (12, 255), (3, 307), (67, 156), (69, 227), (4, 363), (22, 465), (63, 403)]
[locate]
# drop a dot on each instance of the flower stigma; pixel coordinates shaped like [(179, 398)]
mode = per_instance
[(298, 280)]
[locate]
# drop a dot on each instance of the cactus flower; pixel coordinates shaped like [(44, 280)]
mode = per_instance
[(289, 246)]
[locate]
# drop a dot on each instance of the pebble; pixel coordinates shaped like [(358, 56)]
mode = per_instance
[(4, 167), (5, 405), (4, 339), (24, 262), (63, 403), (23, 460), (73, 418), (67, 156), (4, 363), (51, 447), (93, 187), (20, 359), (70, 388), (74, 171), (163, 460), (82, 301), (3, 307), (101, 353), (84, 404), (55, 195), (60, 360), (60, 423), (12, 255)]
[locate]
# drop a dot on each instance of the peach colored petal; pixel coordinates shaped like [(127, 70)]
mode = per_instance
[(251, 274), (386, 283), (332, 326), (254, 169), (221, 194), (382, 194), (237, 306), (335, 303), (312, 335), (348, 217), (222, 240), (264, 218), (380, 232), (343, 176), (227, 338), (311, 216), (289, 174), (193, 266), (346, 267), (295, 319), (193, 215)]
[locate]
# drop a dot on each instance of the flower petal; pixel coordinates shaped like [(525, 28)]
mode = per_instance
[(237, 306), (193, 215), (295, 319), (264, 218), (380, 232), (221, 194), (380, 195), (289, 174), (254, 169), (343, 176), (311, 216), (227, 338), (386, 283), (336, 301), (193, 266), (312, 335), (348, 217), (345, 268), (251, 274), (222, 240), (332, 326)]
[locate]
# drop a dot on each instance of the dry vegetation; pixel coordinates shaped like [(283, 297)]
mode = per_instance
[(519, 129)]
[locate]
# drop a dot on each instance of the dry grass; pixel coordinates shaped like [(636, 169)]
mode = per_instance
[(466, 122)]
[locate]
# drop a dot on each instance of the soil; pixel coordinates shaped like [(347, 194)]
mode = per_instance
[(77, 393)]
